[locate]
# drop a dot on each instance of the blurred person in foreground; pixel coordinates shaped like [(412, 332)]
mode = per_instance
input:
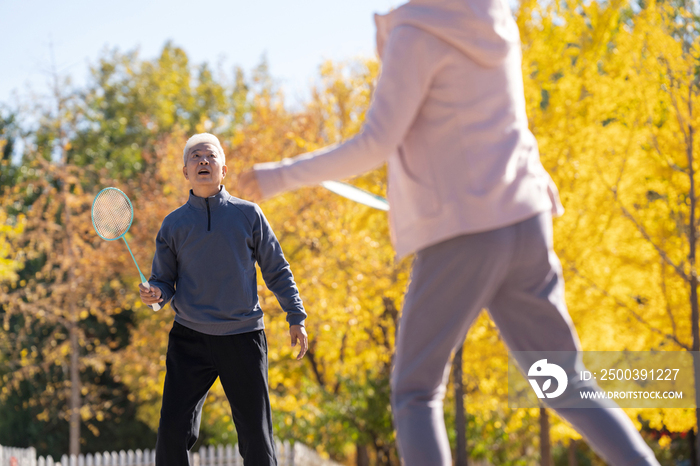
[(470, 197)]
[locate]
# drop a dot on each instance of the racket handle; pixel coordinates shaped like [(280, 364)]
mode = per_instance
[(156, 306)]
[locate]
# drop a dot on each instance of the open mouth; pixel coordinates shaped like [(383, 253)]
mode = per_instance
[(204, 171)]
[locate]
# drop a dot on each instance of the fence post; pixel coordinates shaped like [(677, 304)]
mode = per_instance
[(203, 457), (32, 456), (228, 455), (211, 456), (279, 449), (237, 455), (147, 458)]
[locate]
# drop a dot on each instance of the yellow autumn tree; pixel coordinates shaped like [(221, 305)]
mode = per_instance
[(611, 93)]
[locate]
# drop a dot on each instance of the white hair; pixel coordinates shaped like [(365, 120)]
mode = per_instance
[(198, 139)]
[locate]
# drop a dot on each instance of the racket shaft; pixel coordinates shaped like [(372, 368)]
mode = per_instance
[(144, 282), (356, 194), (156, 306)]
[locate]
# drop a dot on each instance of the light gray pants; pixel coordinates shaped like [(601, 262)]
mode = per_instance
[(515, 273)]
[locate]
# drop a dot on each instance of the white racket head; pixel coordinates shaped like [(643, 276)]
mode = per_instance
[(112, 214), (356, 194)]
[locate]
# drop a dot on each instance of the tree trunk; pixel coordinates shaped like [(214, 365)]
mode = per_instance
[(362, 455), (545, 447), (696, 364), (692, 238), (460, 418), (693, 454), (572, 453), (74, 390), (74, 400)]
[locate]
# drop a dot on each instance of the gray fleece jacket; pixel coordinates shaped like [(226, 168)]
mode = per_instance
[(205, 259)]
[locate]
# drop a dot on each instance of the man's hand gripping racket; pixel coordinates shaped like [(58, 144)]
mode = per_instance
[(150, 295), (112, 215)]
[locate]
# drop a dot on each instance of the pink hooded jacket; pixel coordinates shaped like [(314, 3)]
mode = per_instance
[(448, 115)]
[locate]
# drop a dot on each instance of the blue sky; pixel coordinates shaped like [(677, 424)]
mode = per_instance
[(296, 36)]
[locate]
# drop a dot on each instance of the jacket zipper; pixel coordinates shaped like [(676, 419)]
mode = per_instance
[(208, 215)]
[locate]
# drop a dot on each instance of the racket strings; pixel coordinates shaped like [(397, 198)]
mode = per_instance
[(112, 214)]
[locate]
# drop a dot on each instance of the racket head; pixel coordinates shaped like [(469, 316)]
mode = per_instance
[(112, 214)]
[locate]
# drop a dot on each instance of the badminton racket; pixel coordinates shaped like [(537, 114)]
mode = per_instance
[(112, 214), (356, 194)]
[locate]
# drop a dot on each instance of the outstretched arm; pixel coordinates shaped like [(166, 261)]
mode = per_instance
[(407, 72)]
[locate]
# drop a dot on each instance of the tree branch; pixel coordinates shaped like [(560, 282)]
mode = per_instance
[(310, 354), (671, 164), (622, 304), (646, 236), (665, 294)]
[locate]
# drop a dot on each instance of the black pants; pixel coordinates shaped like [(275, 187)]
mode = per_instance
[(193, 362)]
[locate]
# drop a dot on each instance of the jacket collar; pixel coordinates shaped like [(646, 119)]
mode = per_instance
[(215, 201)]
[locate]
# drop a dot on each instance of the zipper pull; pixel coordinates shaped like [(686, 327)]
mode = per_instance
[(206, 200)]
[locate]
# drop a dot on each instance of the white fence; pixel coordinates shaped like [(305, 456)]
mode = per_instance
[(287, 455)]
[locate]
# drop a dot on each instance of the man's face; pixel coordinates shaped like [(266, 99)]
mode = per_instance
[(205, 168)]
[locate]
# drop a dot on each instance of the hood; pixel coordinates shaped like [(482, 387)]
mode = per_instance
[(484, 30)]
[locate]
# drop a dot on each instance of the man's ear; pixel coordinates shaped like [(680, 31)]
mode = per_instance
[(184, 172), (224, 170)]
